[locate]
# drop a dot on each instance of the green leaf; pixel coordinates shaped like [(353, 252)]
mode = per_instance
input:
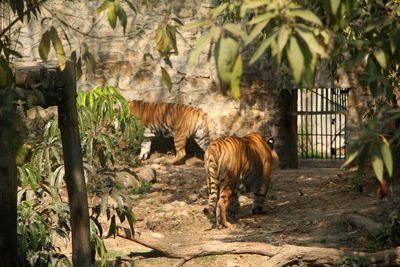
[(91, 100), (6, 76), (57, 177), (166, 79), (252, 5), (362, 160), (354, 150), (171, 34), (193, 25), (131, 219), (235, 77), (111, 109), (216, 11), (377, 162), (120, 12), (309, 38), (17, 6), (380, 56), (335, 4), (43, 233), (119, 200), (264, 45), (255, 32), (106, 4), (387, 155), (44, 46), (58, 47), (104, 204), (161, 39), (235, 29), (296, 59), (200, 44), (112, 16), (20, 155), (283, 36), (34, 236), (131, 5), (226, 52), (266, 17), (112, 231), (307, 15)]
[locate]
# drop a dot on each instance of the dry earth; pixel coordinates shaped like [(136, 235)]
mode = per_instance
[(304, 208)]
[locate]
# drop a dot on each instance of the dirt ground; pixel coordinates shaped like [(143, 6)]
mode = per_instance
[(304, 208)]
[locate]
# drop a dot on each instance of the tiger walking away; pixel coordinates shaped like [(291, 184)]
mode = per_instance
[(230, 161), (167, 119)]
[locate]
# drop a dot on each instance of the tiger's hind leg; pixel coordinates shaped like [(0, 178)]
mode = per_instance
[(234, 207), (257, 204), (222, 205), (212, 199)]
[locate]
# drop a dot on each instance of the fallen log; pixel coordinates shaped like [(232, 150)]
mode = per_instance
[(361, 222), (278, 255)]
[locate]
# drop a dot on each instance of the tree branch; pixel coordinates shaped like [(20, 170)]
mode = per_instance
[(20, 17)]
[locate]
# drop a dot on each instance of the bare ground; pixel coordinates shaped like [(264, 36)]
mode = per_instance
[(304, 208)]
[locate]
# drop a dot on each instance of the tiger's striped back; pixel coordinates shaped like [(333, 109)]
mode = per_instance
[(168, 119), (232, 160)]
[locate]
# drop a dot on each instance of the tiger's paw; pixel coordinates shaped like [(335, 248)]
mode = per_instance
[(227, 225)]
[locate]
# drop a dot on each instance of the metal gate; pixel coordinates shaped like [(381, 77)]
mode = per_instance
[(321, 123)]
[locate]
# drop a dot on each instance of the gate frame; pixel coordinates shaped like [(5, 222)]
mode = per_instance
[(290, 148)]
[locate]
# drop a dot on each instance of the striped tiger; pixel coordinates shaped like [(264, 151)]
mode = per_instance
[(230, 161), (168, 119)]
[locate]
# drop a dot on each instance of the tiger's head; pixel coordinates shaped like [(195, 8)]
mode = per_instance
[(274, 155)]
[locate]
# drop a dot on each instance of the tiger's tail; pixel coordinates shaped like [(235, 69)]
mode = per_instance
[(201, 135), (211, 167)]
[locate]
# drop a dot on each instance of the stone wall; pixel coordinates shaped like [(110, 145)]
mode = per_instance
[(124, 61)]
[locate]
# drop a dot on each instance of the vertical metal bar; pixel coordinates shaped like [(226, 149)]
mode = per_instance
[(302, 122), (330, 120), (336, 121), (306, 124), (326, 120), (316, 124), (321, 124), (311, 129), (345, 123), (340, 123), (299, 130)]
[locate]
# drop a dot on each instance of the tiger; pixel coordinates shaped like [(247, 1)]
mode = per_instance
[(170, 119), (230, 161)]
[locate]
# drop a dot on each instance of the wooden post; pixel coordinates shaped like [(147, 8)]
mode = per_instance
[(290, 126), (74, 177), (8, 182)]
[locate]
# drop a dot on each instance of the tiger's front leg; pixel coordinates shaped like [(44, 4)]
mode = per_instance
[(145, 149), (146, 145), (180, 144)]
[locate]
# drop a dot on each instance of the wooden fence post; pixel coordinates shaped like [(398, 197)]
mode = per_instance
[(74, 176), (8, 192), (290, 126)]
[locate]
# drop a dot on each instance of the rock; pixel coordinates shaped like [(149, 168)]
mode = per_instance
[(147, 174), (127, 179)]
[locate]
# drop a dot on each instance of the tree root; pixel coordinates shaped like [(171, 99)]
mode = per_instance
[(278, 255)]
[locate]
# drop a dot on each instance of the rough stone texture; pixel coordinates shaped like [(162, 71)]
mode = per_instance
[(124, 61)]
